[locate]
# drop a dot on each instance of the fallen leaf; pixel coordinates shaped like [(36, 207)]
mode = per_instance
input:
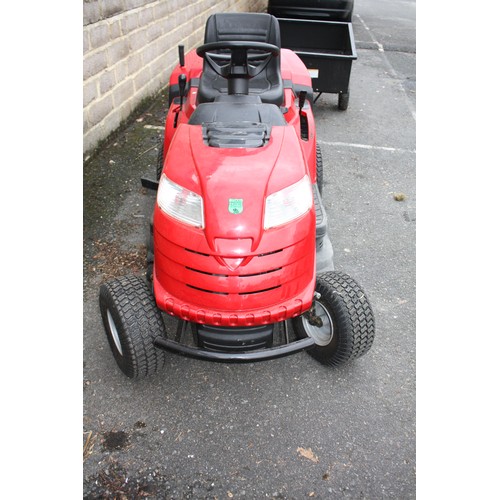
[(309, 454), (399, 196), (88, 447)]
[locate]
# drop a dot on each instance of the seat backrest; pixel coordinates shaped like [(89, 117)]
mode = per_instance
[(254, 27)]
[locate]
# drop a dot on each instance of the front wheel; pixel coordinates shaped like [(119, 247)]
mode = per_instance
[(132, 322), (340, 322)]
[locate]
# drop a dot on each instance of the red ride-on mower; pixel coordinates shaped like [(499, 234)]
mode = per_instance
[(240, 253)]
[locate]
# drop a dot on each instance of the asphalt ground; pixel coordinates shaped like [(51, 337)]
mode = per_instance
[(287, 428)]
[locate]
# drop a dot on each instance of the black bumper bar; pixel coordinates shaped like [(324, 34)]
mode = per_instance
[(249, 356)]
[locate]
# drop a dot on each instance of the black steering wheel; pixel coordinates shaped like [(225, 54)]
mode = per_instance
[(237, 63)]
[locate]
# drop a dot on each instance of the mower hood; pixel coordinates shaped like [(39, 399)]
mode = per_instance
[(234, 182)]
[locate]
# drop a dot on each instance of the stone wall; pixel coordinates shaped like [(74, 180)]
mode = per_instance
[(129, 50)]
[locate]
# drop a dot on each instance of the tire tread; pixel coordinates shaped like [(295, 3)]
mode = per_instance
[(131, 300), (353, 318)]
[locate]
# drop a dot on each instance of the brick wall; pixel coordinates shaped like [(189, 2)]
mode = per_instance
[(130, 48)]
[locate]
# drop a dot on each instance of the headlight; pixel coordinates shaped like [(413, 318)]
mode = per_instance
[(180, 203), (288, 204)]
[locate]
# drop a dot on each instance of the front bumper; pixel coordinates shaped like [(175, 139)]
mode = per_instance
[(229, 344), (246, 356)]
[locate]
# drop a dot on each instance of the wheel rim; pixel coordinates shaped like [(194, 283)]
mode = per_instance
[(114, 333), (322, 335)]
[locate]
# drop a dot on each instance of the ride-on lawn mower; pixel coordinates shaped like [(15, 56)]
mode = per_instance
[(239, 251)]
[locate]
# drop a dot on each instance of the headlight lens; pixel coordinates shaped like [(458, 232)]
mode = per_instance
[(288, 204), (180, 203)]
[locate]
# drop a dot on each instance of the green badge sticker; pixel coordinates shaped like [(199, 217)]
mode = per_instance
[(235, 205)]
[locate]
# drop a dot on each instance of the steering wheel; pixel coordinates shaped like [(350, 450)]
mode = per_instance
[(239, 58)]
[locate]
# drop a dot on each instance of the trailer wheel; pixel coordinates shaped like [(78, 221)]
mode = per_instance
[(159, 161), (319, 169), (342, 324), (132, 322), (343, 100)]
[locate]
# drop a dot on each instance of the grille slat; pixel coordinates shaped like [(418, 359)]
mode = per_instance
[(216, 275), (253, 292), (261, 291), (206, 291)]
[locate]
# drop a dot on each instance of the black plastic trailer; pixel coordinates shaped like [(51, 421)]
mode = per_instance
[(327, 49)]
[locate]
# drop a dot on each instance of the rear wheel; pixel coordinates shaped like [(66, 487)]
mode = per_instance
[(319, 169), (150, 256), (159, 161), (341, 321), (132, 322)]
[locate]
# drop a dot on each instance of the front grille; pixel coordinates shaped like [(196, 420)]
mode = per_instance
[(250, 283), (201, 287)]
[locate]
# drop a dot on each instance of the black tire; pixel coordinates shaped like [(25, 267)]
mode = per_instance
[(132, 322), (343, 100), (319, 169), (159, 161), (343, 306)]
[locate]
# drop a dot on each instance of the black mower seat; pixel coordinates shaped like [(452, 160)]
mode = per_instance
[(243, 27)]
